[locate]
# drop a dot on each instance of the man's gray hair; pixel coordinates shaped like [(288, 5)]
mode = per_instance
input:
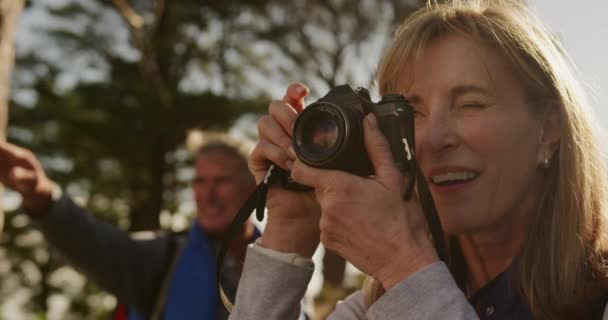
[(204, 142)]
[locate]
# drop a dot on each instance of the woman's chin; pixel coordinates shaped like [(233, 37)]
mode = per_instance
[(455, 228)]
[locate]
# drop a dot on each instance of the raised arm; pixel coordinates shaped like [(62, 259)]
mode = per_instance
[(131, 270)]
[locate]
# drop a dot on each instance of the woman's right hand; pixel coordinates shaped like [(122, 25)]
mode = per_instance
[(293, 217)]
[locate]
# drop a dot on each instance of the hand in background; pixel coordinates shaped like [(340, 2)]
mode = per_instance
[(21, 171)]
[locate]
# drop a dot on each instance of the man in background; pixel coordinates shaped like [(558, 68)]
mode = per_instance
[(167, 277)]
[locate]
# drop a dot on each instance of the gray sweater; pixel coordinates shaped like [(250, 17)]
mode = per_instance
[(272, 285)]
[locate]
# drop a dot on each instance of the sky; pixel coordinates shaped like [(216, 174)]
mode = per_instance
[(583, 27)]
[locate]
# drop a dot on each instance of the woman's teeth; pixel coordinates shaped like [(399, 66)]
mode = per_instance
[(453, 177)]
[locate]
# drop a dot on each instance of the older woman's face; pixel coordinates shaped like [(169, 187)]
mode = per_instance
[(477, 142)]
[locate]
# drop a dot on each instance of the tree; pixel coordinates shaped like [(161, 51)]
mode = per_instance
[(9, 13), (106, 137), (123, 131)]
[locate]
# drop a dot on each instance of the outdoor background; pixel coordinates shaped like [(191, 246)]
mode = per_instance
[(106, 92)]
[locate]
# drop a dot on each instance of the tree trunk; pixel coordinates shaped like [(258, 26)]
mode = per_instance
[(148, 199), (9, 12)]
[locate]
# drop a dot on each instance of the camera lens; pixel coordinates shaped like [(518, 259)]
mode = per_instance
[(321, 134), (317, 133), (325, 133)]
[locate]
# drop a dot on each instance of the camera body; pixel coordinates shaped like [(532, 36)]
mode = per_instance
[(329, 133)]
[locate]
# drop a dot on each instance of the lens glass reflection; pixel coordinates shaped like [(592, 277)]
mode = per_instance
[(323, 134)]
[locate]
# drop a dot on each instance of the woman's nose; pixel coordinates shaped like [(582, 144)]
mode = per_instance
[(436, 133)]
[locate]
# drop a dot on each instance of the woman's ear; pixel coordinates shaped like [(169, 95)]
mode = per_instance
[(549, 137)]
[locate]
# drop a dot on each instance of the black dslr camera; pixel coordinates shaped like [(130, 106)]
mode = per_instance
[(329, 133)]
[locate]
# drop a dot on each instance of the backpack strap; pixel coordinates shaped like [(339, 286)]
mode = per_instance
[(177, 243)]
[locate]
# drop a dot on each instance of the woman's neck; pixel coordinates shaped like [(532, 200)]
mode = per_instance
[(490, 253)]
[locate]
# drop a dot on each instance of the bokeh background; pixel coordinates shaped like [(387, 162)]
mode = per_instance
[(108, 93)]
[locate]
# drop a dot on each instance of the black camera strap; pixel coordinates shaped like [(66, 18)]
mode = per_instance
[(257, 201), (430, 213), (276, 175)]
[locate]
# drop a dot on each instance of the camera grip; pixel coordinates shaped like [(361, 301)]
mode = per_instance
[(391, 124)]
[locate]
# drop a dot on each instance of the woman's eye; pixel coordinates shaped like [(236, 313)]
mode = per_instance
[(473, 105)]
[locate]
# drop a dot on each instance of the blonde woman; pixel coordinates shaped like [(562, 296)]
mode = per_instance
[(510, 152)]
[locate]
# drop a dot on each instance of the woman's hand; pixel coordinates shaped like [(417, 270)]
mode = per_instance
[(366, 220), (293, 217)]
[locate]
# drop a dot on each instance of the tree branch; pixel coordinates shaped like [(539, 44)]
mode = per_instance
[(159, 13), (133, 19), (148, 63)]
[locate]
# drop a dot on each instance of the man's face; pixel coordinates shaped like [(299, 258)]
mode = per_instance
[(221, 186)]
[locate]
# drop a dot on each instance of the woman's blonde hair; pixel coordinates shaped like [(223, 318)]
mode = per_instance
[(562, 265)]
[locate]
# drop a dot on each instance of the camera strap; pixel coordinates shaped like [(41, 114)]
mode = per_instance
[(257, 201), (430, 213), (276, 175)]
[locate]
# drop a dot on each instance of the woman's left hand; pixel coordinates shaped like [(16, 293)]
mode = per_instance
[(366, 220)]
